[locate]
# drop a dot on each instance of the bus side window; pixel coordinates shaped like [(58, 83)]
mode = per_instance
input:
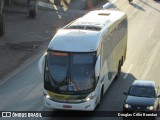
[(106, 47), (115, 38), (123, 28)]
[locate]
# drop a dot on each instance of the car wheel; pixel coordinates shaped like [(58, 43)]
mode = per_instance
[(158, 107)]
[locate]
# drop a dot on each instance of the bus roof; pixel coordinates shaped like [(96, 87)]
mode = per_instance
[(84, 34)]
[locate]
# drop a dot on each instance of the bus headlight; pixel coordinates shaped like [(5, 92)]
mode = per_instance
[(90, 97), (46, 95)]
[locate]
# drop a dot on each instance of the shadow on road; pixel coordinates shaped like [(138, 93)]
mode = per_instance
[(156, 1), (151, 6), (136, 6)]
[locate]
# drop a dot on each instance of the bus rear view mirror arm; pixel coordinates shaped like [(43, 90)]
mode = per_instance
[(41, 63), (97, 67)]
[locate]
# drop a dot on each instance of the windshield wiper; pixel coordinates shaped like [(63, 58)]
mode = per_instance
[(148, 96), (134, 95), (140, 96)]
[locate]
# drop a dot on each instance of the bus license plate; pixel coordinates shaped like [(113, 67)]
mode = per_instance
[(67, 106)]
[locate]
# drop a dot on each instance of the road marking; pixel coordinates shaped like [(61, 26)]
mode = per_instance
[(128, 71), (151, 60), (150, 33), (113, 1), (60, 17)]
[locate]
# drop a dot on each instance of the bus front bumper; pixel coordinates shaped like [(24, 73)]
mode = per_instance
[(84, 106)]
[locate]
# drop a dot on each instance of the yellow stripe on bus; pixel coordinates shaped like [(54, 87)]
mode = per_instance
[(58, 96)]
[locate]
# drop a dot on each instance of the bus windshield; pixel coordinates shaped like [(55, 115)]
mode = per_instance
[(70, 71)]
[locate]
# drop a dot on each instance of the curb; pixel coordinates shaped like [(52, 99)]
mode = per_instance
[(15, 11)]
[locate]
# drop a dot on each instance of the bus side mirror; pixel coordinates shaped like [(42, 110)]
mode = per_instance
[(41, 63), (97, 67)]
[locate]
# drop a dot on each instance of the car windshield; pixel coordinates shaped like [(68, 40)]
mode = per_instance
[(142, 91), (70, 71)]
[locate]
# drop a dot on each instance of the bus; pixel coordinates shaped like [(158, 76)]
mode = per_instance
[(82, 60)]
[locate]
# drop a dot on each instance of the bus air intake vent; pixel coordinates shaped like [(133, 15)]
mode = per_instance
[(84, 27), (104, 14)]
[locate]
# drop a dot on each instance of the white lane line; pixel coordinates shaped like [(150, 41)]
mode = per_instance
[(150, 33), (60, 17), (113, 1), (128, 71), (151, 60)]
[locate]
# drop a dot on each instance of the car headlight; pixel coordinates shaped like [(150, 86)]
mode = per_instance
[(150, 108), (127, 106), (88, 99)]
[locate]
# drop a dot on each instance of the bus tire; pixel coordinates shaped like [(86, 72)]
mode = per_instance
[(119, 70), (122, 61), (100, 98), (158, 107)]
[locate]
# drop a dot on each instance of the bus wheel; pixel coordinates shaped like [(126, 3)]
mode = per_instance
[(122, 61), (158, 107), (119, 70), (100, 99)]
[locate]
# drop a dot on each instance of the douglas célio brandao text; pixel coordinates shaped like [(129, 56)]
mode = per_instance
[(137, 115)]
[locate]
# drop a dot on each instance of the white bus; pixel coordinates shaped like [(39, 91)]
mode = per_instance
[(83, 59)]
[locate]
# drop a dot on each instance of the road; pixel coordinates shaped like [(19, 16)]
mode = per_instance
[(23, 91)]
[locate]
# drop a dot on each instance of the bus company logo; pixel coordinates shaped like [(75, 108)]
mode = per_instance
[(6, 114)]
